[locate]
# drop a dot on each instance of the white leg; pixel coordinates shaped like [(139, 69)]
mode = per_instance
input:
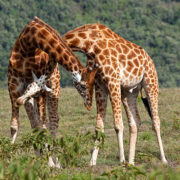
[(130, 105), (94, 154), (157, 130), (50, 162), (115, 97), (120, 145)]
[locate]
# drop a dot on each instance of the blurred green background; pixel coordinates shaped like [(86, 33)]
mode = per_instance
[(152, 24)]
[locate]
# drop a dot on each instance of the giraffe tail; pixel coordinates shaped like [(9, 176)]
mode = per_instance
[(146, 104)]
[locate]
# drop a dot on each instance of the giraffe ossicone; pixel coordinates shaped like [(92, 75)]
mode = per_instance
[(41, 82)]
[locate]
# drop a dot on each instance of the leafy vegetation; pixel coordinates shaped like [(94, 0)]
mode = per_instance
[(152, 24)]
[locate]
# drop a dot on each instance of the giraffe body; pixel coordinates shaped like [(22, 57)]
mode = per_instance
[(124, 69), (39, 48)]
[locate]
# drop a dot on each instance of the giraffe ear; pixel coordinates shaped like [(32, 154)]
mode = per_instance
[(77, 77)]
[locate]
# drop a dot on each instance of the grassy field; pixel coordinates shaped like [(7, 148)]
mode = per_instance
[(76, 129)]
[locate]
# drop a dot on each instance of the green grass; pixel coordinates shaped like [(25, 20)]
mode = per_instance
[(75, 142)]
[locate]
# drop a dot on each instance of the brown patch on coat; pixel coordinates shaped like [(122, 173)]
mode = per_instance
[(101, 26), (82, 35), (135, 71), (111, 44), (131, 55), (106, 52), (69, 36), (130, 66), (107, 34), (97, 50), (118, 48), (113, 52), (137, 51), (75, 42), (52, 42), (125, 49), (102, 44), (136, 62)]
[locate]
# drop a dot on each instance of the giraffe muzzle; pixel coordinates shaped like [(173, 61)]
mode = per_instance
[(88, 106)]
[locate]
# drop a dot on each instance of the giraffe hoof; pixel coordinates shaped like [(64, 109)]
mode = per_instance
[(164, 161), (91, 164)]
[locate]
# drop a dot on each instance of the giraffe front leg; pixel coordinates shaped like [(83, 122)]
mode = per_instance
[(130, 105), (101, 103), (14, 123), (115, 97), (31, 110), (41, 105)]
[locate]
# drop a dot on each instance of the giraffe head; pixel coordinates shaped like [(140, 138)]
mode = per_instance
[(84, 84), (33, 89)]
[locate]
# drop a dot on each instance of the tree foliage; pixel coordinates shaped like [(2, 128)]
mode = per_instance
[(152, 24)]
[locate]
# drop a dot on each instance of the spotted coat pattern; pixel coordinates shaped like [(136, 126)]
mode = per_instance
[(39, 48), (124, 69)]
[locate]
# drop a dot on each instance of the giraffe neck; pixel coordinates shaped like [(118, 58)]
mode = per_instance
[(89, 38), (38, 34)]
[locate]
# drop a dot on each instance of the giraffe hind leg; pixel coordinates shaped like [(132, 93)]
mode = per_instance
[(130, 105), (151, 90)]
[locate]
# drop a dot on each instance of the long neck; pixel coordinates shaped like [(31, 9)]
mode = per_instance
[(82, 41), (38, 34)]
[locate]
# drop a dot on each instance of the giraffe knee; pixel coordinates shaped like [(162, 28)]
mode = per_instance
[(118, 127), (99, 127), (133, 128)]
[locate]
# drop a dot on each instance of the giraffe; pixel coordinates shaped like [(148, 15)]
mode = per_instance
[(39, 49), (124, 69)]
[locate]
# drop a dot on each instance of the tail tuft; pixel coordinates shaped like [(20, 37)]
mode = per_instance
[(146, 104)]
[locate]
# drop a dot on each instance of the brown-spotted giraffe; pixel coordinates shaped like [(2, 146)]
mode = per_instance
[(39, 49), (124, 69)]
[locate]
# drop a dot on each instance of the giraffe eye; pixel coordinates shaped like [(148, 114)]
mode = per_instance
[(83, 87)]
